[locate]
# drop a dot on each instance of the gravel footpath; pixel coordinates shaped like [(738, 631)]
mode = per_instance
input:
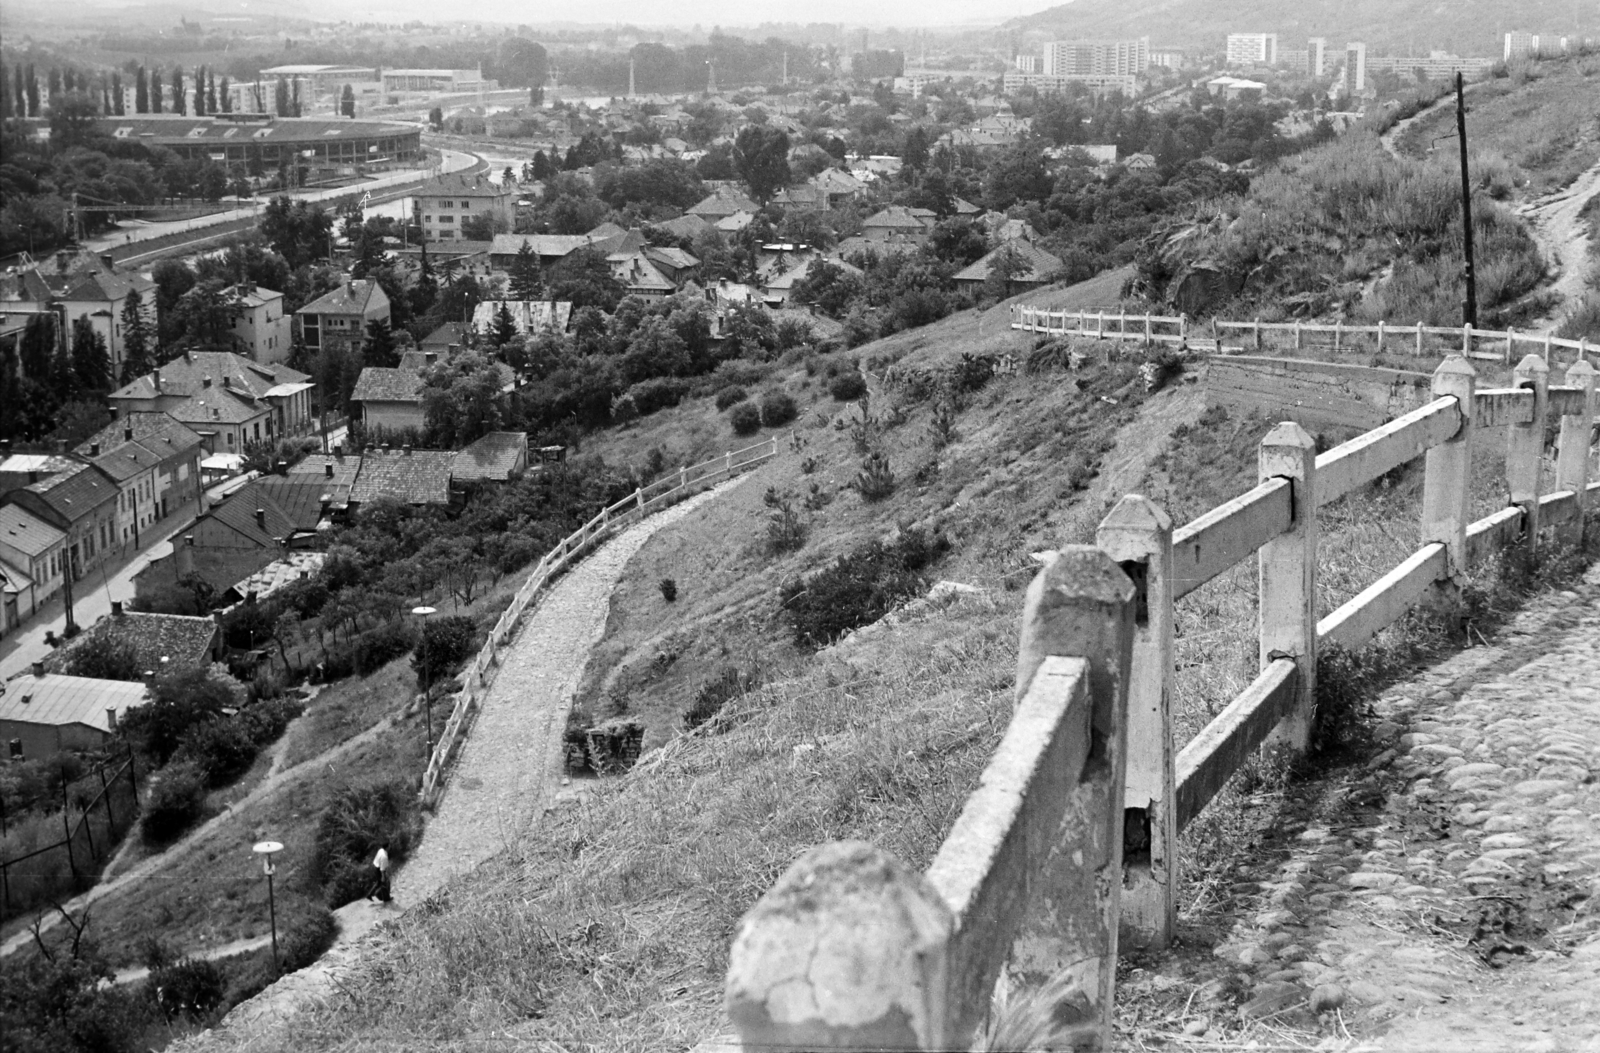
[(1448, 899), (504, 778)]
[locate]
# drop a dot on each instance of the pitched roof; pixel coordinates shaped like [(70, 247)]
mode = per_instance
[(418, 477), (26, 532), (898, 217), (57, 700), (676, 259), (787, 279), (158, 432), (299, 497), (492, 456), (216, 405), (106, 287), (344, 468), (352, 297), (461, 184), (75, 492), (184, 640), (723, 203), (442, 337), (640, 275), (238, 512), (689, 226), (529, 316), (1040, 264), (385, 384), (126, 461), (546, 245), (186, 375), (279, 573)]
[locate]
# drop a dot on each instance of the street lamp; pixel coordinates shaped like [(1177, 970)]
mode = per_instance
[(427, 673), (266, 850)]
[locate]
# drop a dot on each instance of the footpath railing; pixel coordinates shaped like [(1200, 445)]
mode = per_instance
[(1496, 345), (642, 502), (1069, 844)]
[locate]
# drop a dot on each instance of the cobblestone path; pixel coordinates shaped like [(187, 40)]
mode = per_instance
[(1449, 900)]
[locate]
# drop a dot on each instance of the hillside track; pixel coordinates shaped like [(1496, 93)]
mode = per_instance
[(1563, 239)]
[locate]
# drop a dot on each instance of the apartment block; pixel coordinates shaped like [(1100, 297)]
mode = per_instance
[(1317, 56), (1252, 49), (1096, 58), (1355, 68)]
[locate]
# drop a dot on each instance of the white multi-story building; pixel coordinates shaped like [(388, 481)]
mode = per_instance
[(1317, 56), (1521, 45), (1096, 58), (1355, 68), (1252, 49)]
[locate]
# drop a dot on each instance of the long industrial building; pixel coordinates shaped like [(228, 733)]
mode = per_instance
[(232, 138)]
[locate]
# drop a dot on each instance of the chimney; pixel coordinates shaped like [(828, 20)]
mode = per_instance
[(183, 557), (327, 470), (350, 287), (61, 446), (261, 518), (127, 434), (33, 476), (116, 608), (94, 449), (109, 260), (205, 381), (156, 374), (325, 501), (111, 717), (149, 676), (407, 449), (282, 468), (38, 669), (338, 451), (432, 357), (250, 598)]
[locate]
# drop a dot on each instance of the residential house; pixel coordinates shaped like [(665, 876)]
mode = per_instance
[(293, 567), (803, 198), (390, 398), (81, 285), (777, 291), (721, 205), (334, 473), (678, 266), (260, 328), (499, 456), (338, 320), (451, 200), (411, 477), (246, 531), (161, 643), (735, 223), (529, 316), (640, 276), (687, 227), (158, 475), (45, 713), (449, 336), (82, 503), (32, 559), (837, 186), (225, 398), (20, 469), (1034, 267), (898, 220)]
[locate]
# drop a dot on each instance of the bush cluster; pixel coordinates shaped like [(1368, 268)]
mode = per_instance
[(447, 641), (847, 387), (861, 587), (715, 693), (730, 395), (745, 418), (175, 798), (777, 407), (354, 823)]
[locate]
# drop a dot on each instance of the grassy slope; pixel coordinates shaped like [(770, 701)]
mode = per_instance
[(1543, 119), (608, 927)]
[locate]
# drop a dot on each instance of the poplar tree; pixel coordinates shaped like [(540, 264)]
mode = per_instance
[(211, 90), (226, 97), (118, 106), (141, 92), (138, 347), (199, 91), (155, 90), (33, 92), (19, 93), (281, 98), (178, 101)]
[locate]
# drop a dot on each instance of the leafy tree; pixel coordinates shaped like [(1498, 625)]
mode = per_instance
[(462, 400), (584, 278), (91, 363), (483, 226), (347, 101), (104, 656), (524, 274), (178, 700), (761, 156), (436, 118), (201, 317), (72, 118), (280, 99), (296, 231), (379, 349)]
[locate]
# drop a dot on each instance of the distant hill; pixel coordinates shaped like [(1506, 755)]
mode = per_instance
[(1466, 27)]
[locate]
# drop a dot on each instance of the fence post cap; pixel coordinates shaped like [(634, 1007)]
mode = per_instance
[(1580, 368), (1086, 572), (1455, 366), (844, 951), (1289, 433), (1136, 512), (1533, 364)]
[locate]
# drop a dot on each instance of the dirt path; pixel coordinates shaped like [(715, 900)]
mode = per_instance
[(508, 772), (196, 839), (1448, 897), (1563, 239)]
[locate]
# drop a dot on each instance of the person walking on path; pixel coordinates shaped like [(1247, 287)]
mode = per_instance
[(380, 880)]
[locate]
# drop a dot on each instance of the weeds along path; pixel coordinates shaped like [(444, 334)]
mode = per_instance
[(506, 776), (1563, 239), (196, 839), (1445, 896)]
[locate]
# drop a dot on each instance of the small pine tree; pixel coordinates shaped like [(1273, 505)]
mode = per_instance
[(211, 90), (91, 365), (141, 92), (524, 274), (379, 349), (137, 346), (505, 327)]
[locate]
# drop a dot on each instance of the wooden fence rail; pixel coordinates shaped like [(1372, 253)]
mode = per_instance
[(642, 502), (1498, 345), (1068, 847)]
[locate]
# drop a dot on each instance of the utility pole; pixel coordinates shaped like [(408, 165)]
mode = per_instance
[(1471, 312)]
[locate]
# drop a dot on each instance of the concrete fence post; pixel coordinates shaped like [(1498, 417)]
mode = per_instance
[(727, 462), (1419, 338), (1525, 448), (1338, 333), (1138, 535), (1122, 324), (847, 951), (638, 497), (1258, 332), (1299, 337), (1466, 340), (683, 475), (1549, 349), (1183, 327), (1446, 484), (1287, 578), (1380, 336), (1572, 466), (1082, 605), (1147, 333), (1511, 343), (1100, 325)]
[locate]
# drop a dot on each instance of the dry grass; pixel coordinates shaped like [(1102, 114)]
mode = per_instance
[(1541, 120)]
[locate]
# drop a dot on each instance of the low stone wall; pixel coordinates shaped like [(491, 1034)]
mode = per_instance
[(1316, 395)]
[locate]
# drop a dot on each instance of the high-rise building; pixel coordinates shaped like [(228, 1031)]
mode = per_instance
[(1252, 49), (1028, 63), (1521, 45), (1317, 56), (1355, 68), (1097, 58)]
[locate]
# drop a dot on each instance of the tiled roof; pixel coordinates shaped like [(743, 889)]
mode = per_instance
[(279, 573), (126, 461), (238, 512), (186, 374), (384, 384), (352, 297), (460, 184), (1040, 264), (55, 700), (107, 287), (546, 245), (685, 226), (158, 432), (421, 477), (26, 532), (723, 204), (677, 259), (493, 456), (184, 640), (442, 337), (216, 405), (299, 497), (898, 217), (344, 468), (75, 492)]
